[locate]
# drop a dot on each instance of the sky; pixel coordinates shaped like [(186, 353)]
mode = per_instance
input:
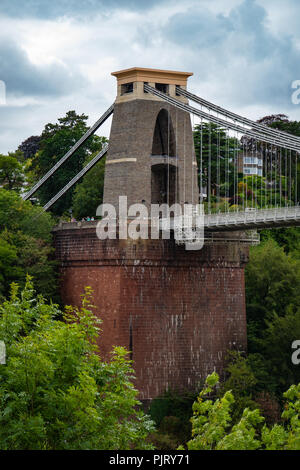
[(58, 55)]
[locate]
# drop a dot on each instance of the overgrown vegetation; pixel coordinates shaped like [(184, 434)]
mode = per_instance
[(55, 391), (171, 413), (55, 141), (213, 427), (25, 245)]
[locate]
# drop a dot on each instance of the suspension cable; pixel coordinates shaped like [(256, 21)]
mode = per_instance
[(214, 119), (236, 117), (75, 147), (77, 177)]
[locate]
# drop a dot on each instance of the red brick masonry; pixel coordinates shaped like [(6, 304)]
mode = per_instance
[(178, 311)]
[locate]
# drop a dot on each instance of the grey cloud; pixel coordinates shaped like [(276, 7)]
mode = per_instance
[(200, 28), (239, 50), (57, 8), (22, 78)]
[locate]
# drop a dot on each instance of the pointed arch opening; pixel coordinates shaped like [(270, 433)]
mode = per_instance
[(164, 141)]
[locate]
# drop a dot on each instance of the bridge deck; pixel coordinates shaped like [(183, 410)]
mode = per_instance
[(253, 219)]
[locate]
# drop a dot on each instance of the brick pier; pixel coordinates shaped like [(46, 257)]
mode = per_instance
[(178, 311)]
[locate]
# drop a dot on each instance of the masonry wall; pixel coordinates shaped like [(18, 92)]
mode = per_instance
[(178, 311), (129, 159)]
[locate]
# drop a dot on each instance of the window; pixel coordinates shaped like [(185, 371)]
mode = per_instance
[(126, 88), (250, 171), (162, 87), (252, 160)]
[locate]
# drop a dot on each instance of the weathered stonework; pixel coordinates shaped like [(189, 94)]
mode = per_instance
[(149, 137), (178, 311), (131, 137)]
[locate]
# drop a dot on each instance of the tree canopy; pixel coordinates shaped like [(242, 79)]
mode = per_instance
[(56, 140), (25, 245), (55, 391), (11, 172), (212, 427)]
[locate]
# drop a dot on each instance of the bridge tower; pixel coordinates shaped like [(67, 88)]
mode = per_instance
[(151, 157), (177, 311)]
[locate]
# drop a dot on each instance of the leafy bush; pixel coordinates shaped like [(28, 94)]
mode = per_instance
[(25, 246), (212, 427), (55, 391)]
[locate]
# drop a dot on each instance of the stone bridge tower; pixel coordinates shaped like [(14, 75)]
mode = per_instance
[(178, 312), (151, 157)]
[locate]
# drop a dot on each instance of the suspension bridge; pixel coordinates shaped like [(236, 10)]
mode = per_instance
[(177, 311), (246, 171)]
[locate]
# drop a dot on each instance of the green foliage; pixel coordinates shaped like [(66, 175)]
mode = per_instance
[(272, 284), (56, 140), (88, 195), (276, 347), (212, 427), (241, 381), (8, 260), (171, 412), (30, 146), (55, 391), (171, 403), (273, 310), (11, 172), (16, 214), (25, 237), (34, 257), (287, 238), (212, 141)]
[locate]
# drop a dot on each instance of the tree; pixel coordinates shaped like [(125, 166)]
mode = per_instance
[(273, 119), (219, 156), (33, 256), (11, 172), (241, 381), (56, 140), (272, 286), (8, 270), (30, 146), (25, 245), (16, 214), (88, 194), (55, 391), (282, 123), (212, 427), (276, 348), (287, 238)]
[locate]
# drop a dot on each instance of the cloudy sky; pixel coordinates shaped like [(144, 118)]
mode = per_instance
[(58, 55)]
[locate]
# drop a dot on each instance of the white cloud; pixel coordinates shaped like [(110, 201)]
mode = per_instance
[(228, 45)]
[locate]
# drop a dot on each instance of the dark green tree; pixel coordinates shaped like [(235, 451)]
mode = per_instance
[(56, 140), (25, 245), (88, 194), (216, 153), (30, 146), (11, 172), (276, 348), (272, 285)]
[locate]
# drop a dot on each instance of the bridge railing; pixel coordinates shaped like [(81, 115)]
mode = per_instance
[(253, 216)]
